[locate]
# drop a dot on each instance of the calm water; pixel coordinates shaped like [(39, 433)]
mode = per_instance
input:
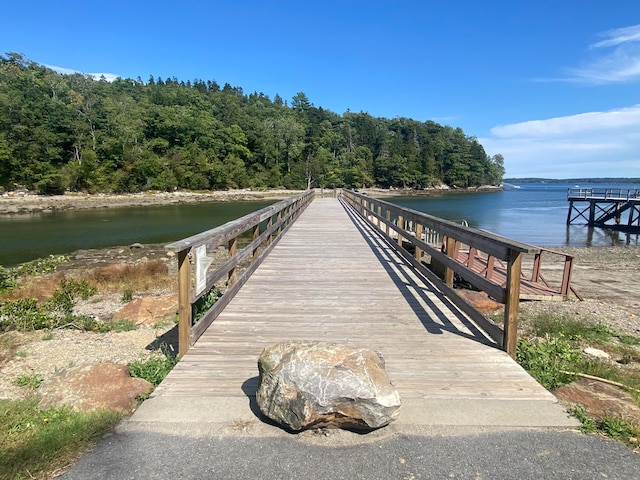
[(534, 213), (26, 237)]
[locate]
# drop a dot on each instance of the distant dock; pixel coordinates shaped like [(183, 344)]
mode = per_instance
[(613, 208)]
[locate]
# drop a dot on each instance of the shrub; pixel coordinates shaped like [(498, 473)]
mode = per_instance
[(545, 360)]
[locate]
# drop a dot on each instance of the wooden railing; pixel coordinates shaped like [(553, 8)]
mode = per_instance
[(195, 281), (602, 194), (441, 240)]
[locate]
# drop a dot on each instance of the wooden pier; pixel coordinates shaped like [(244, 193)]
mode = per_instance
[(335, 277), (606, 208)]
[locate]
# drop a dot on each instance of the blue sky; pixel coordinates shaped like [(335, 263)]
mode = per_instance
[(553, 85)]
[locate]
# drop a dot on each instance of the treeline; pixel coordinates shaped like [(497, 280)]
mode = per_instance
[(72, 132)]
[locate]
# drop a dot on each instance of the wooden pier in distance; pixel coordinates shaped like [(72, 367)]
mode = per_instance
[(613, 208)]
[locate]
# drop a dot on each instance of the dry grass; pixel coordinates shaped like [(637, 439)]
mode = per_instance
[(9, 344), (139, 277), (41, 287)]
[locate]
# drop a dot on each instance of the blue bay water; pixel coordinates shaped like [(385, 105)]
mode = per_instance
[(27, 237), (534, 213)]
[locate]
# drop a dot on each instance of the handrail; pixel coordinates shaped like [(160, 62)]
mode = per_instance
[(195, 280), (389, 217), (602, 194)]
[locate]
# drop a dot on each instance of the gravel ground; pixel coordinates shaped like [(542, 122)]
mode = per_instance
[(606, 278)]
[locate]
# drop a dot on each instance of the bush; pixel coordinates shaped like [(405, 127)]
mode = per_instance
[(545, 359), (27, 314), (52, 184)]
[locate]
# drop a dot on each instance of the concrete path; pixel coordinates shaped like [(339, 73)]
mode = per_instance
[(139, 451)]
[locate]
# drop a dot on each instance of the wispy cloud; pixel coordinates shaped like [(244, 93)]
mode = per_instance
[(593, 144), (110, 77), (614, 59)]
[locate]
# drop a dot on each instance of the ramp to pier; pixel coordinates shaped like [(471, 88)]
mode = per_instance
[(333, 279)]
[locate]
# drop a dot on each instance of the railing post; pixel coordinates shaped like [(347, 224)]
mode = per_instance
[(233, 249), (184, 301), (535, 273), (566, 275), (418, 253), (379, 217), (388, 217), (400, 226), (256, 234), (448, 273), (514, 268)]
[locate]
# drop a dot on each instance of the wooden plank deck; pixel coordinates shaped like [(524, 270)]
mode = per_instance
[(332, 279)]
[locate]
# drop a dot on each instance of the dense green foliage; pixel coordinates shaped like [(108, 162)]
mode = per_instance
[(72, 132)]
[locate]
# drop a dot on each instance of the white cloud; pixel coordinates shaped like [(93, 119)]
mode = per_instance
[(616, 59), (593, 144), (618, 36), (110, 77)]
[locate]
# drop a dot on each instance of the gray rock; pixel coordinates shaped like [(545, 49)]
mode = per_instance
[(317, 384), (91, 387)]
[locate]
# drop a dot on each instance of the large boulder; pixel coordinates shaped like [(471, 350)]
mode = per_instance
[(317, 384), (89, 387)]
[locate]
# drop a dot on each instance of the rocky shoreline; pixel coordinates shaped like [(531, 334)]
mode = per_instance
[(21, 202), (15, 203)]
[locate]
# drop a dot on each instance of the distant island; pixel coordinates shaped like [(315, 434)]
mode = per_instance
[(74, 133), (571, 180)]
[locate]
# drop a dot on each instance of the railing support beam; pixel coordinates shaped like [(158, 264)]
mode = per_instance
[(514, 267), (184, 301)]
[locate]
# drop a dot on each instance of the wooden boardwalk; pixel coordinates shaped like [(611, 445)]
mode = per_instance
[(332, 279)]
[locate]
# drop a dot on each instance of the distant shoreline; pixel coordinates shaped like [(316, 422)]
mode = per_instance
[(21, 203), (18, 203)]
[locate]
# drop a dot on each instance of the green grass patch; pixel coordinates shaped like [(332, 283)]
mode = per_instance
[(558, 350), (155, 368), (9, 276), (35, 441), (609, 426), (575, 330), (546, 359), (27, 314), (595, 334), (123, 325), (29, 380), (127, 295)]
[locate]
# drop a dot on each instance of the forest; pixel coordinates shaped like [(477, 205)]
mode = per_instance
[(72, 132)]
